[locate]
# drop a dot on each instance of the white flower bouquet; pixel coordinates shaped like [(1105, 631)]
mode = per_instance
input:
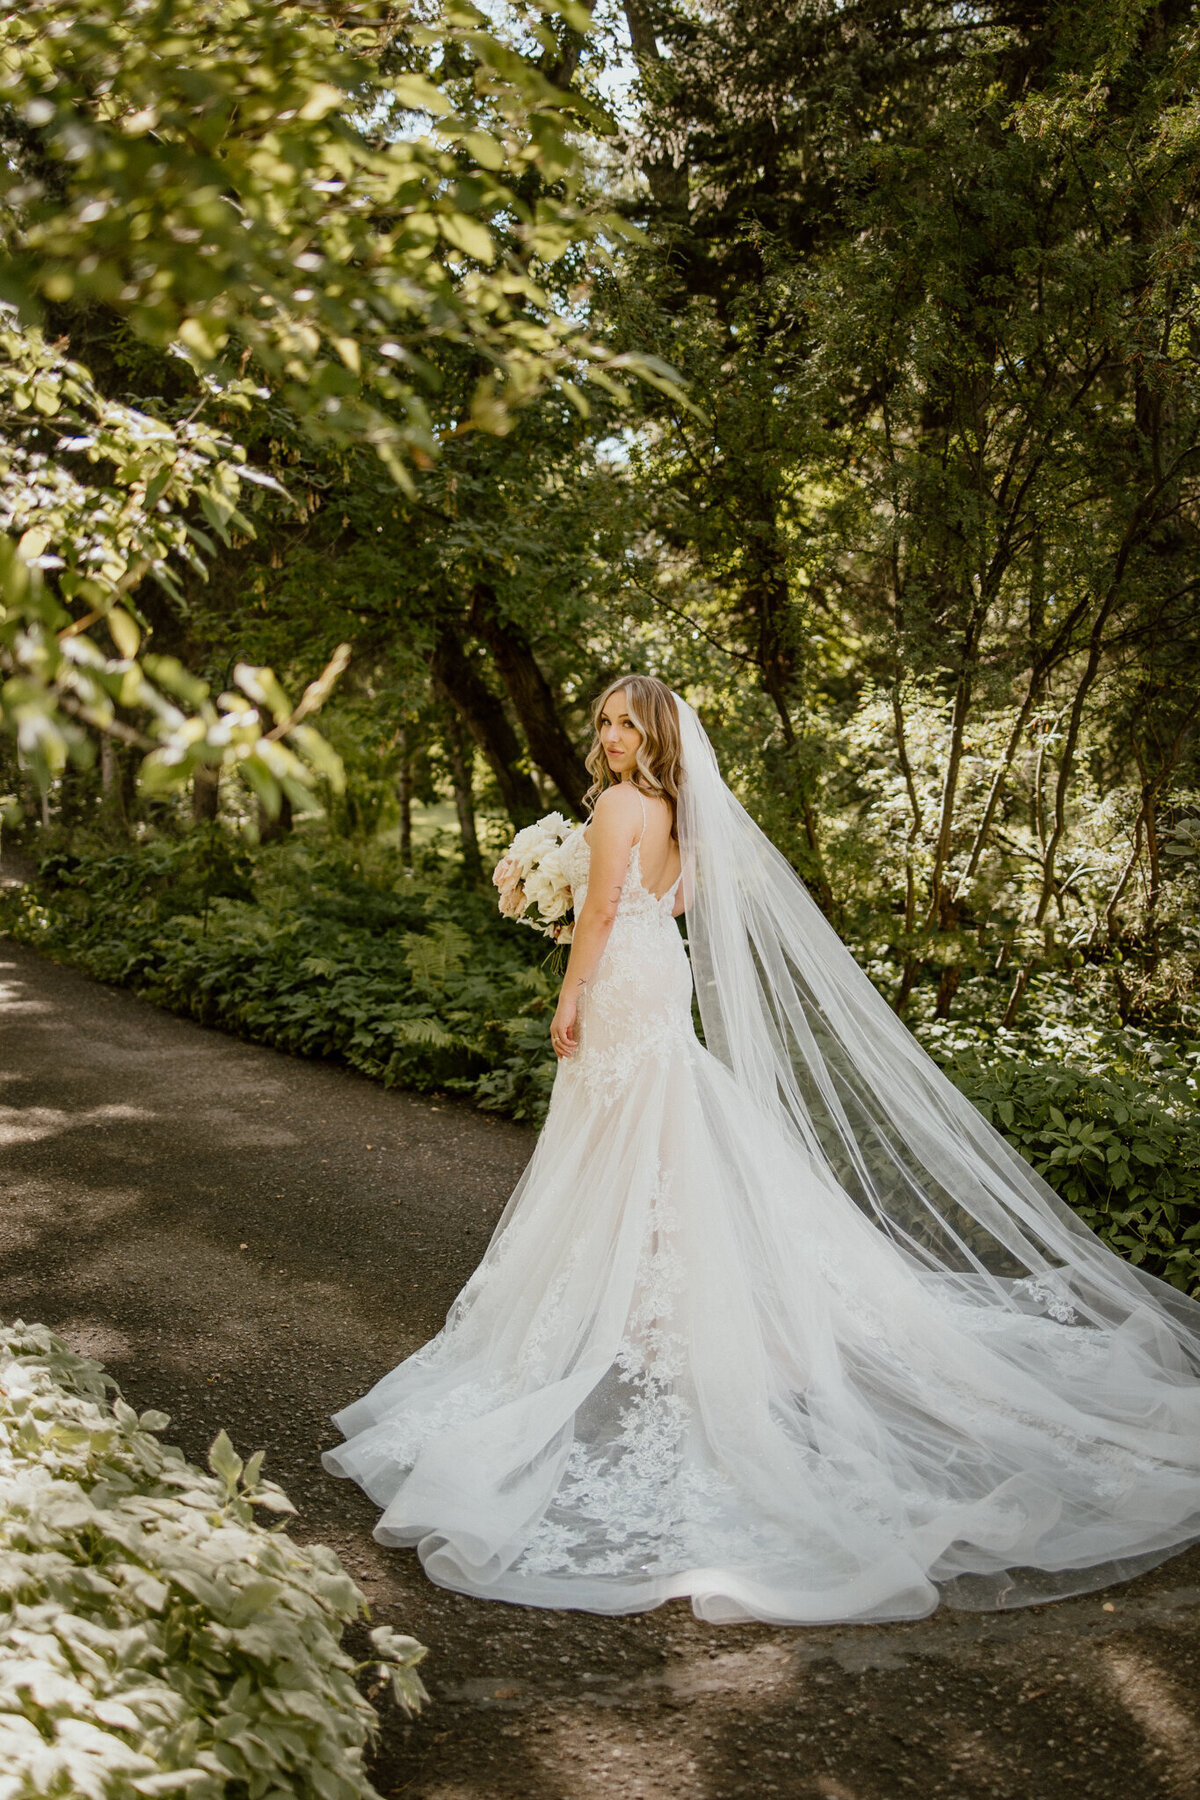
[(532, 881)]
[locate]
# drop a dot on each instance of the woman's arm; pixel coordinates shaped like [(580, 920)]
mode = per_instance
[(615, 825)]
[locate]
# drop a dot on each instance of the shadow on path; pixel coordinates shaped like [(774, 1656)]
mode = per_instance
[(249, 1240)]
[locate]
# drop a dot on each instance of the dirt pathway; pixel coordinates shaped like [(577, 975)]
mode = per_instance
[(247, 1240)]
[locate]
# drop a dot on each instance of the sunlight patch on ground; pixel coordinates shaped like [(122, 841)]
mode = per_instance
[(615, 1757), (12, 995), (1150, 1696), (90, 1337), (831, 1789), (970, 1753), (27, 1124)]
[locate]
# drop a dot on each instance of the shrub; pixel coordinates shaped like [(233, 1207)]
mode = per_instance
[(1122, 1150), (159, 1639), (420, 986), (423, 985)]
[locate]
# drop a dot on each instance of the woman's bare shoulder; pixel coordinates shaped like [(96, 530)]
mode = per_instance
[(617, 809), (616, 800)]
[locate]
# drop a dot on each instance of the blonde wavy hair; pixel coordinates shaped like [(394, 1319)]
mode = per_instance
[(659, 767)]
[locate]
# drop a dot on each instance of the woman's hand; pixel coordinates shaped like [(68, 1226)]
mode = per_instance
[(562, 1027)]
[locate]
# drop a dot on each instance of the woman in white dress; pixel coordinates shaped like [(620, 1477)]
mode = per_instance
[(779, 1323)]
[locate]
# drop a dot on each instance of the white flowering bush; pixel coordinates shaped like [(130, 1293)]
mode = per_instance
[(157, 1635)]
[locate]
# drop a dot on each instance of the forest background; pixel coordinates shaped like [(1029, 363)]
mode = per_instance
[(835, 362)]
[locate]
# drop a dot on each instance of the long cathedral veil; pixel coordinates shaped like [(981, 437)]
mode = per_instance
[(787, 1009)]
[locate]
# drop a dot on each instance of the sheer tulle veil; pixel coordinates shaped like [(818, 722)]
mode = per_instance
[(785, 1006)]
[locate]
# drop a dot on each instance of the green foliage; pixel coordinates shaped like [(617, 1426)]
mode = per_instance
[(158, 1638), (341, 194), (419, 983), (82, 476), (419, 986), (165, 878), (352, 204), (1121, 1149), (521, 1082), (932, 278), (98, 496)]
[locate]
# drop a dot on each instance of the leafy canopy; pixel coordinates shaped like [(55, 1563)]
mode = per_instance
[(334, 202)]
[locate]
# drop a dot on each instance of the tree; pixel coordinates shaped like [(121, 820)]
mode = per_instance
[(930, 270), (282, 191)]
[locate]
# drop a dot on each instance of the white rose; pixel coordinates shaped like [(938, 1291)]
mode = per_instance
[(543, 831), (538, 889), (548, 887)]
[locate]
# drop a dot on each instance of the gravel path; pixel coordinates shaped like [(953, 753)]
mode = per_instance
[(248, 1240)]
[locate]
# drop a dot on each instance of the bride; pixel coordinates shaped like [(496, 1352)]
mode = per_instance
[(779, 1323)]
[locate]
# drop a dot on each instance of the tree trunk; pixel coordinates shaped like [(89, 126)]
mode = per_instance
[(459, 683), (560, 69), (941, 906), (206, 793), (912, 967), (458, 755), (271, 830), (947, 988), (998, 779), (1153, 858), (112, 786), (550, 743), (404, 794), (667, 179), (908, 981), (1018, 994)]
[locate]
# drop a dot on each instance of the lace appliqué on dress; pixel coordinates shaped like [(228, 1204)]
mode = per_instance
[(1051, 1293), (632, 1499), (636, 1015)]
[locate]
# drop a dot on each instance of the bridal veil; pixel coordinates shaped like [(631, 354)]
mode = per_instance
[(785, 1006)]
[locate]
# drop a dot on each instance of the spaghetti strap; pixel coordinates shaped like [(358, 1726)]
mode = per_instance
[(641, 834)]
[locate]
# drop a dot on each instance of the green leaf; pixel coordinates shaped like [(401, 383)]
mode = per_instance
[(224, 1461), (125, 633), (262, 687), (482, 146), (420, 95), (468, 235)]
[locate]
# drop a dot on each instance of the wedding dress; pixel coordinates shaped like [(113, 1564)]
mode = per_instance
[(780, 1323)]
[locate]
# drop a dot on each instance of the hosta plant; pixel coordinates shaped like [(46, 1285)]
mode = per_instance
[(160, 1633)]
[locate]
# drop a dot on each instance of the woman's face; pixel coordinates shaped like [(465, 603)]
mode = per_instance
[(619, 736)]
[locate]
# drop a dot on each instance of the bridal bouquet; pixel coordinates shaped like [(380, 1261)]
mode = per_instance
[(532, 882)]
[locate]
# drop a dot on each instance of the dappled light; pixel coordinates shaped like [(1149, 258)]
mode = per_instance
[(132, 1245), (625, 573), (1167, 1714)]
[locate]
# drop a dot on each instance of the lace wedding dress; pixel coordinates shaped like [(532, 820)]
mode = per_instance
[(712, 1351)]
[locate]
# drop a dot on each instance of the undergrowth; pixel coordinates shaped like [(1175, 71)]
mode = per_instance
[(418, 983), (160, 1632)]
